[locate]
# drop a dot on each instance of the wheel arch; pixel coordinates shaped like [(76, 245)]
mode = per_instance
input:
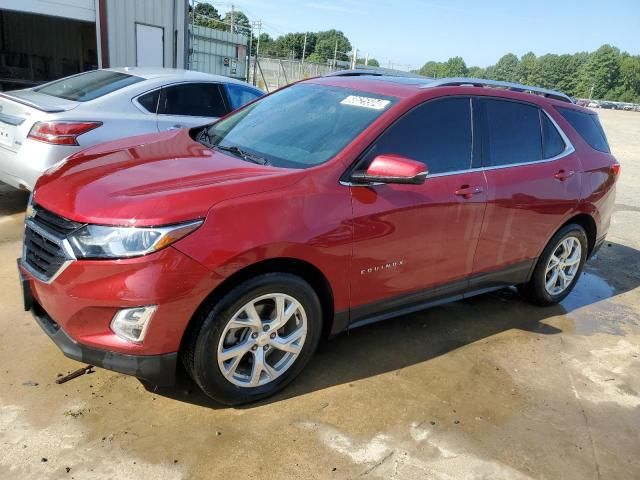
[(301, 268), (587, 222)]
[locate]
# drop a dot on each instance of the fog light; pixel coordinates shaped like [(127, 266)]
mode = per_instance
[(131, 324)]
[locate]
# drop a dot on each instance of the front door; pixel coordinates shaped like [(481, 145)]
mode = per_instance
[(415, 243), (532, 185)]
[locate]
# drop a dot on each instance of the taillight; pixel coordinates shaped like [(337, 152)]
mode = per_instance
[(615, 169), (60, 133)]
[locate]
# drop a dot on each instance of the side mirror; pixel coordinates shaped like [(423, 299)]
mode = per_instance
[(391, 168)]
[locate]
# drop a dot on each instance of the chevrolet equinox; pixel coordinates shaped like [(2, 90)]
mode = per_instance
[(329, 204)]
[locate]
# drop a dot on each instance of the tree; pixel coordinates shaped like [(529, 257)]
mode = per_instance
[(476, 72), (373, 62), (630, 75), (326, 44), (206, 15), (429, 69), (600, 73), (525, 68), (294, 42), (507, 68), (454, 67), (241, 23)]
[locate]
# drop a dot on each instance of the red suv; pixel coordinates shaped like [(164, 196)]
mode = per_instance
[(329, 204)]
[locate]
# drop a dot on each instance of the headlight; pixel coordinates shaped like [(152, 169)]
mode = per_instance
[(98, 241)]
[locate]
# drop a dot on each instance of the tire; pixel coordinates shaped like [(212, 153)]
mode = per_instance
[(205, 350), (536, 290)]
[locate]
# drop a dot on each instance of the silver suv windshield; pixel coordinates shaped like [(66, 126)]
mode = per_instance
[(298, 127)]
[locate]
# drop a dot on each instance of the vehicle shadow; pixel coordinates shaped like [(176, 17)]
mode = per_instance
[(422, 336), (12, 200)]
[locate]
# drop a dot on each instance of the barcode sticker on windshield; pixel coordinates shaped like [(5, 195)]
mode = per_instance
[(366, 102)]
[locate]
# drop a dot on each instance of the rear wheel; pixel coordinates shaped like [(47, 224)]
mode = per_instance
[(558, 268), (256, 339)]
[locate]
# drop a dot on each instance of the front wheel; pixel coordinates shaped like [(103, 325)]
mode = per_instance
[(558, 268), (256, 339)]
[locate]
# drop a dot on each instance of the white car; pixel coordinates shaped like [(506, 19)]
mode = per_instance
[(41, 126)]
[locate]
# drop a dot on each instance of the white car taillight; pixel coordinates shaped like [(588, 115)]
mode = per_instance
[(60, 132)]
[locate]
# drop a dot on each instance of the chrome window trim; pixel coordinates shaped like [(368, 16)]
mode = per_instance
[(139, 106), (134, 100), (63, 243), (568, 150)]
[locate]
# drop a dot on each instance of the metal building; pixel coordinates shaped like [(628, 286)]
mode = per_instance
[(41, 40)]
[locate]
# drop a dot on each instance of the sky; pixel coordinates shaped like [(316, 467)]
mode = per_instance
[(407, 33)]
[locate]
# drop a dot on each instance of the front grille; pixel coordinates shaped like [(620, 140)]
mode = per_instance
[(44, 235), (52, 222)]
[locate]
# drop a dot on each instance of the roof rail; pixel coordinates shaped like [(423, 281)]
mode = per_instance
[(374, 73), (480, 82)]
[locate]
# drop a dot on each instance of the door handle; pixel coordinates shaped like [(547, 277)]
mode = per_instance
[(562, 175), (175, 127), (468, 191)]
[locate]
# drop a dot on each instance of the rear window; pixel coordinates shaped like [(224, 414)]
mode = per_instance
[(88, 86), (588, 127)]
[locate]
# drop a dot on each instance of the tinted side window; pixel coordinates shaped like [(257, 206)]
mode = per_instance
[(150, 101), (588, 127), (437, 133), (513, 131), (193, 99), (552, 143), (239, 95)]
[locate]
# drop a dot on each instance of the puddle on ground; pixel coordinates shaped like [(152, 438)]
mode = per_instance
[(592, 311)]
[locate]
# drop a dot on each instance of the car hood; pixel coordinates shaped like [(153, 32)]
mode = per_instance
[(151, 180)]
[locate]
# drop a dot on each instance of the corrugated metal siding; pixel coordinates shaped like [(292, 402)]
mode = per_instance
[(210, 47), (122, 16), (76, 9)]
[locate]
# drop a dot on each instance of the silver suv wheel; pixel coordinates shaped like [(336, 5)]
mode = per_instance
[(563, 265), (262, 340)]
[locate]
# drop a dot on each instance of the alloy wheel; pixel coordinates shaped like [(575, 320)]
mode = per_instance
[(563, 265), (262, 340)]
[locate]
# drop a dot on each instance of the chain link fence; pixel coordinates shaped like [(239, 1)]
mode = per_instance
[(273, 73)]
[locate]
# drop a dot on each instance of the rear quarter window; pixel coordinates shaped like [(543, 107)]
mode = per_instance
[(588, 127)]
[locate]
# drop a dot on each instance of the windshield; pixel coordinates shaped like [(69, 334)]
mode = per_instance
[(298, 127), (88, 86)]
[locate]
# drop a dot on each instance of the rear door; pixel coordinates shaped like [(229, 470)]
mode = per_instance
[(415, 243), (532, 181), (188, 105)]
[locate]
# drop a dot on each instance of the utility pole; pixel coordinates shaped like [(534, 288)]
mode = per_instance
[(335, 55), (258, 25), (354, 59), (593, 85), (233, 14), (366, 60), (304, 47), (249, 53)]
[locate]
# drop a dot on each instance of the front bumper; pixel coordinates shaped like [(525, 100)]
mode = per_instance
[(156, 369)]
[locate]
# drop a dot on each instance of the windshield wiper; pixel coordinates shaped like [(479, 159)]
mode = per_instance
[(250, 157)]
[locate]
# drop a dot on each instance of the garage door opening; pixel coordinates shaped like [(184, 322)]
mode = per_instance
[(38, 48)]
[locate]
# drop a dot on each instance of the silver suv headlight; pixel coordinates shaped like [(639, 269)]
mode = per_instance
[(99, 241)]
